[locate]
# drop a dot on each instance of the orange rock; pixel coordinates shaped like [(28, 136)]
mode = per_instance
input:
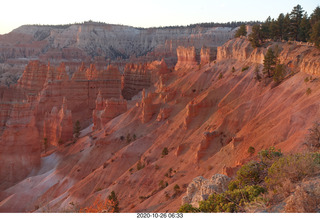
[(106, 110), (58, 126), (205, 56), (186, 58)]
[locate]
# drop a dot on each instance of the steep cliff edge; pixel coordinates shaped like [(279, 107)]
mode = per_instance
[(299, 57)]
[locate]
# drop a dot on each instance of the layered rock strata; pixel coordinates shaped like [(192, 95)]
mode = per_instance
[(186, 58), (240, 49), (58, 126), (19, 144), (106, 110), (136, 77)]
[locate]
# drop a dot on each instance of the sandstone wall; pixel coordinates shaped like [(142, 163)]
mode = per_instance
[(296, 56), (106, 110), (186, 58)]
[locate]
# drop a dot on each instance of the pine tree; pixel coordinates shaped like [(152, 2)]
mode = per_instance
[(280, 26), (286, 30), (315, 34), (114, 202), (304, 29), (77, 129), (242, 31), (295, 18), (315, 16), (265, 28), (279, 73), (256, 37), (269, 63)]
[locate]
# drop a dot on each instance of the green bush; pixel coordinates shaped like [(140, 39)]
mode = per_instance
[(187, 208), (251, 173), (308, 91), (163, 184), (220, 76), (292, 167), (231, 201), (245, 68), (267, 156), (251, 150), (165, 151)]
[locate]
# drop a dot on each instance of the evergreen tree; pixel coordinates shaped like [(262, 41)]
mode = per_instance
[(315, 34), (274, 30), (304, 29), (281, 27), (242, 31), (279, 73), (295, 18), (77, 129), (269, 63), (286, 30), (114, 201), (315, 16), (256, 37), (265, 28)]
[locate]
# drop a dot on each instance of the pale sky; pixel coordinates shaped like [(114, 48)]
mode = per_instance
[(142, 13)]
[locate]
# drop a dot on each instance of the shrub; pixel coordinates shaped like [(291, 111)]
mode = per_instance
[(128, 138), (245, 68), (308, 91), (233, 69), (220, 76), (306, 79), (121, 137), (165, 151), (140, 165), (251, 173), (163, 184), (231, 201), (267, 156), (187, 208), (292, 167), (176, 188), (251, 150)]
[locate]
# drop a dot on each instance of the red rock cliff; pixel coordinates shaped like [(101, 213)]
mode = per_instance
[(297, 56), (186, 57), (58, 126)]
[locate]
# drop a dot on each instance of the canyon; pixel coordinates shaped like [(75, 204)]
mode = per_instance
[(196, 93)]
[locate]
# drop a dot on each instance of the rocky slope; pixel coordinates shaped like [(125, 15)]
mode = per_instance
[(206, 116)]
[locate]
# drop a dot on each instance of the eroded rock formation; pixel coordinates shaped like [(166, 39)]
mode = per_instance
[(186, 58), (20, 147), (58, 125), (107, 110), (297, 57), (148, 108), (200, 188)]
